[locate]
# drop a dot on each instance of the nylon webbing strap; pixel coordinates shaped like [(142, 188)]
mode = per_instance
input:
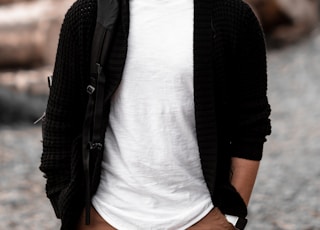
[(92, 141)]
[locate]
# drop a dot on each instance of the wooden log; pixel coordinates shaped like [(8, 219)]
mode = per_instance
[(286, 21), (304, 16), (4, 2), (270, 13), (29, 32)]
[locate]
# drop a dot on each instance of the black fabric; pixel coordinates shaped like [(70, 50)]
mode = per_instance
[(97, 44), (107, 14), (241, 223), (231, 106), (204, 97)]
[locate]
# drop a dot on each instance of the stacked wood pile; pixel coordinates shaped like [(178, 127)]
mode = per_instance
[(2, 2), (29, 31)]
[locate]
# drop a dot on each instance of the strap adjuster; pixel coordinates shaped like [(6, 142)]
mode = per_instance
[(49, 81), (94, 146), (90, 89)]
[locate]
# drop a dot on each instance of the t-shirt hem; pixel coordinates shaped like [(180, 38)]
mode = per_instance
[(105, 216), (200, 217), (119, 226)]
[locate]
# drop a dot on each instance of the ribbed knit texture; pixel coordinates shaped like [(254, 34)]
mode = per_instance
[(230, 86)]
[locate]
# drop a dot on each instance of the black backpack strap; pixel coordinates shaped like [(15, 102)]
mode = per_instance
[(107, 14)]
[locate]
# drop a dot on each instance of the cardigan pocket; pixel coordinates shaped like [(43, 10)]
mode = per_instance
[(60, 195), (72, 198), (54, 200), (74, 189)]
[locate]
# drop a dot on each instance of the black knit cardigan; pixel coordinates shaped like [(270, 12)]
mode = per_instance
[(231, 106)]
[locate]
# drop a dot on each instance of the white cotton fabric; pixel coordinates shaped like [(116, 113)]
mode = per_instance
[(151, 172)]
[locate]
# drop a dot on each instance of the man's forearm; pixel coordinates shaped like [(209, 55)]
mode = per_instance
[(244, 174)]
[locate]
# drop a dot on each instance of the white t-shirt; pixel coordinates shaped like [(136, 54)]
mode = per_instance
[(151, 172)]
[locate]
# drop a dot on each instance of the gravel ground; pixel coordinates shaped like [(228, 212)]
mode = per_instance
[(286, 196)]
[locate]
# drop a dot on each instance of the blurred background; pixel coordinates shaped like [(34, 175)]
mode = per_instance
[(286, 195)]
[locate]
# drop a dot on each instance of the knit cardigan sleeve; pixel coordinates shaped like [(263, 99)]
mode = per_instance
[(251, 109), (63, 114)]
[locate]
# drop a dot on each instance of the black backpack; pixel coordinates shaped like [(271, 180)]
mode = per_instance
[(107, 15)]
